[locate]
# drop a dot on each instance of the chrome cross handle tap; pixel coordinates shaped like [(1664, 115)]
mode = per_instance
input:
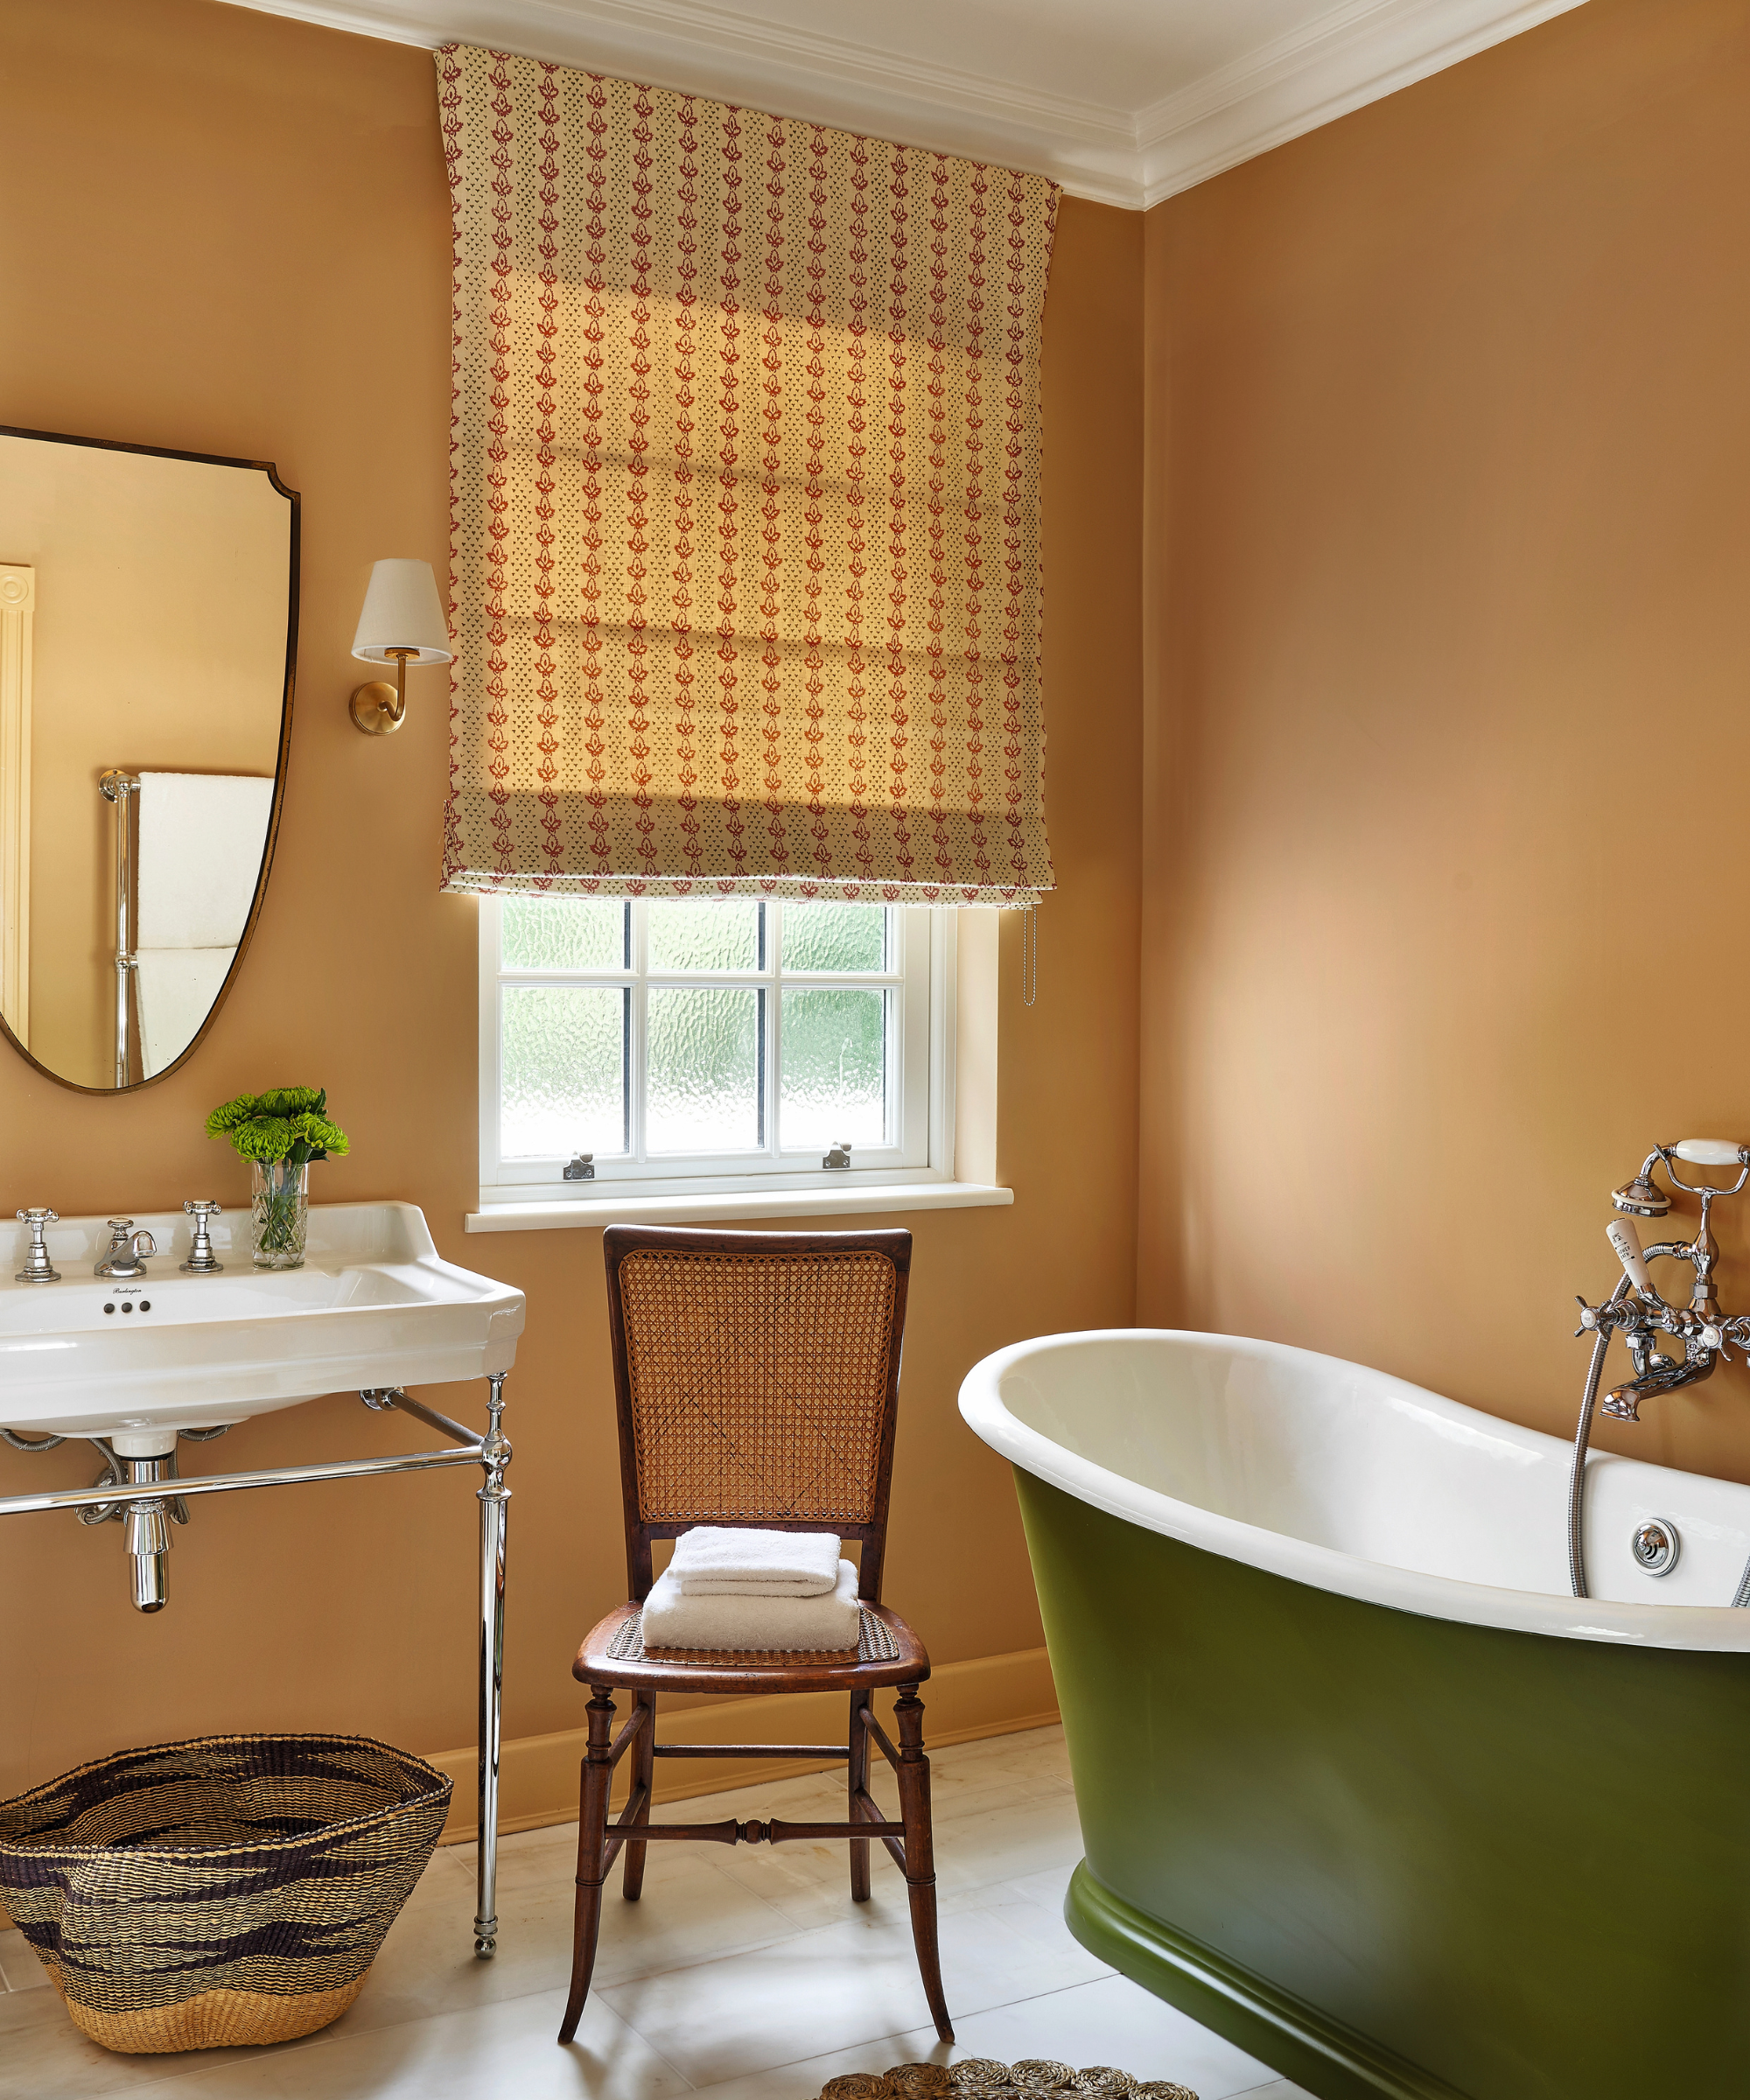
[(128, 1250), (37, 1268), (1637, 1311), (201, 1259)]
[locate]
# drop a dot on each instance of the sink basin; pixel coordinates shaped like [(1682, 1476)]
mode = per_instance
[(373, 1305)]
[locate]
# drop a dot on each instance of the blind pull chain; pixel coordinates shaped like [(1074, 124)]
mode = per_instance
[(1029, 977)]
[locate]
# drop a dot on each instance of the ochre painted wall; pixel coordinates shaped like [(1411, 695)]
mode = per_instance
[(1448, 711), (237, 241)]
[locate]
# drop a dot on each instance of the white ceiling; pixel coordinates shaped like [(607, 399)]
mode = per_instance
[(1123, 101)]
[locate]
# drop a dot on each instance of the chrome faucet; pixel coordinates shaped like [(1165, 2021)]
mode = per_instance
[(1642, 1315), (128, 1250), (201, 1259), (37, 1268), (1636, 1310)]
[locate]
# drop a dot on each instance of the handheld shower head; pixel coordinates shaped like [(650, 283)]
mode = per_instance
[(1640, 1198), (1625, 1243)]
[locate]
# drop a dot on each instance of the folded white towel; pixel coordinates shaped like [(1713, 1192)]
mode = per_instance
[(719, 1560), (174, 989), (201, 839), (674, 1618)]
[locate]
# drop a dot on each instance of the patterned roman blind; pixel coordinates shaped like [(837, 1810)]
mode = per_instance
[(745, 555)]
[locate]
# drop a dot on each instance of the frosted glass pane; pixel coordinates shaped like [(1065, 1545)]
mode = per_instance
[(836, 937), (702, 1085), (835, 1067), (564, 933), (710, 933), (564, 1071)]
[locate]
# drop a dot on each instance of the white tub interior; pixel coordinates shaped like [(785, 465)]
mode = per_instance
[(1212, 1436)]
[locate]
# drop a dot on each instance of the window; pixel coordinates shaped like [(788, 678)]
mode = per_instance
[(695, 1045)]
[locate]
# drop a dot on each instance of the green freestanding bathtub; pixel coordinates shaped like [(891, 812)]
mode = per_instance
[(1362, 1788)]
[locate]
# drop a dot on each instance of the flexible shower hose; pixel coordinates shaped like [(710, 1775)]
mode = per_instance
[(1582, 1437), (1577, 1577)]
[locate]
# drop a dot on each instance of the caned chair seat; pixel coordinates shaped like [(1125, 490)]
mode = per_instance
[(745, 1674), (756, 1378)]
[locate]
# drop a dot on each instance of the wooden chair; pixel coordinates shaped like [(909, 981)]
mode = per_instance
[(757, 1377)]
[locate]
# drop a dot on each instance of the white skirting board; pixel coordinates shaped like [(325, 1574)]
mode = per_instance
[(991, 1695)]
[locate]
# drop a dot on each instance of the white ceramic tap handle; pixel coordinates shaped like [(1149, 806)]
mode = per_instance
[(1709, 1152), (1626, 1243)]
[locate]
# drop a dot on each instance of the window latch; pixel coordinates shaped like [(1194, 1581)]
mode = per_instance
[(838, 1158), (582, 1168)]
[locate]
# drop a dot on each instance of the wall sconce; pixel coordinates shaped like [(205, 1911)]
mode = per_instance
[(403, 623)]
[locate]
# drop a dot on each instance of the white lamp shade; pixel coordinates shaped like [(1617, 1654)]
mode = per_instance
[(402, 611)]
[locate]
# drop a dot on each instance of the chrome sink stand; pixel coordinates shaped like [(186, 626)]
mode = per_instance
[(491, 1452)]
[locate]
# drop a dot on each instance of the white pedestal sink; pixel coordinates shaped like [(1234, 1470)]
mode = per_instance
[(136, 1361)]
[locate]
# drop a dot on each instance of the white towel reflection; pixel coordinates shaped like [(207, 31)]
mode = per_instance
[(201, 840)]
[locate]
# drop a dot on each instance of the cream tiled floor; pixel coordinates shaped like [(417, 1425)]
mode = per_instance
[(745, 1973)]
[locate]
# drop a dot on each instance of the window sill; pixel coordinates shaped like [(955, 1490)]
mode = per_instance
[(631, 1210)]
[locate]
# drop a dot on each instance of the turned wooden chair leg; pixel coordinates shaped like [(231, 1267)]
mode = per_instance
[(598, 1777), (914, 1812), (643, 1774), (858, 1777)]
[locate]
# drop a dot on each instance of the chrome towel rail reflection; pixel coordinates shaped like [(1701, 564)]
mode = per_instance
[(122, 789)]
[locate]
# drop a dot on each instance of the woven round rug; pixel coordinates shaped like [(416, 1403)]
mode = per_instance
[(974, 2075)]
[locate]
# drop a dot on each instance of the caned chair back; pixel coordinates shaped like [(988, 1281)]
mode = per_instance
[(757, 1376)]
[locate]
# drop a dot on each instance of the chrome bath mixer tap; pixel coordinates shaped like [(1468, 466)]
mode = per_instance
[(1642, 1317), (1636, 1310)]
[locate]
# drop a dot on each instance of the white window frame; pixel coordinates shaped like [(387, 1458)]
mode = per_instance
[(921, 1081)]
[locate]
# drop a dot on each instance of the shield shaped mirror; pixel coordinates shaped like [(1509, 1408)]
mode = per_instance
[(148, 633)]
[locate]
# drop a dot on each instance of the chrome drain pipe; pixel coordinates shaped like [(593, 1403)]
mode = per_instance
[(148, 1537)]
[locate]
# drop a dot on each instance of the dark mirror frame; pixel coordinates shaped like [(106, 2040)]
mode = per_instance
[(280, 761)]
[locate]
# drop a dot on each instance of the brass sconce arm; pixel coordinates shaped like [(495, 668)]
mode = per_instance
[(379, 707)]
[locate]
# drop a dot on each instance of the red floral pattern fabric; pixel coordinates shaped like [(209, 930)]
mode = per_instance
[(745, 555)]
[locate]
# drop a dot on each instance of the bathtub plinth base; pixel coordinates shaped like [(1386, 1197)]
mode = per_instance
[(1294, 2037)]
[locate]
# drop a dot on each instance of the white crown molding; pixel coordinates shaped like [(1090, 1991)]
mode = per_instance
[(1358, 53), (1354, 53), (1091, 150)]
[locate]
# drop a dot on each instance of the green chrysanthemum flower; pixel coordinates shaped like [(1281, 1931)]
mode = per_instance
[(286, 1123), (291, 1101), (263, 1137), (319, 1136), (231, 1114)]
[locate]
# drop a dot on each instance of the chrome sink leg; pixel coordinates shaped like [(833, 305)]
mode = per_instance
[(494, 1510)]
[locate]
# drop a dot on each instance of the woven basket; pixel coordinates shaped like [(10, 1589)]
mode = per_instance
[(232, 1889)]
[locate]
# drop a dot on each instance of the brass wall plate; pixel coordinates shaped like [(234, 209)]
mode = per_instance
[(372, 708)]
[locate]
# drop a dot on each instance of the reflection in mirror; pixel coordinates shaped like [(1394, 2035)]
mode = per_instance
[(147, 609)]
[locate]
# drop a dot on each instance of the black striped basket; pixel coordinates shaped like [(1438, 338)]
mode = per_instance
[(232, 1889)]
